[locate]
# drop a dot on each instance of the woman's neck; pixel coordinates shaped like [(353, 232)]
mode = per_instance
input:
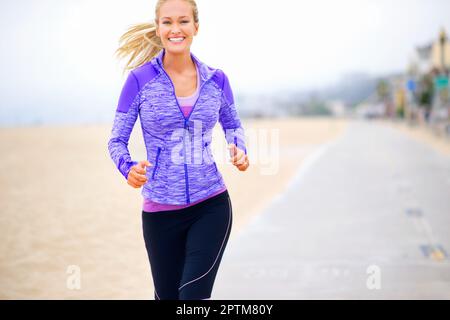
[(179, 63)]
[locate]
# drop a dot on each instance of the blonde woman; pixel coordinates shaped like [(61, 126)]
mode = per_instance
[(187, 211)]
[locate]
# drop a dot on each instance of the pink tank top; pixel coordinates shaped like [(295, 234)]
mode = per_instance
[(186, 105)]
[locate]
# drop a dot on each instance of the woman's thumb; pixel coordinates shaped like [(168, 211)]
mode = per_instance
[(144, 164), (232, 149)]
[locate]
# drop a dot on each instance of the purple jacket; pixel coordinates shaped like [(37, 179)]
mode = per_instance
[(179, 148)]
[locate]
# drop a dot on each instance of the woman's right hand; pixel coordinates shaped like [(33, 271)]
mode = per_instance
[(136, 176)]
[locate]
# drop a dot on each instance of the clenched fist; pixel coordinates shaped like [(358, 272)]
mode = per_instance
[(238, 157), (136, 176)]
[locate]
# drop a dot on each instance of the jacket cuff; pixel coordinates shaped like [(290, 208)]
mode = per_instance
[(236, 136), (125, 167)]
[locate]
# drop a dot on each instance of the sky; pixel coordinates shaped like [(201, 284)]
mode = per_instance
[(62, 52)]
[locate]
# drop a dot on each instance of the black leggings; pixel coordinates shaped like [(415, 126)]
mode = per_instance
[(185, 247)]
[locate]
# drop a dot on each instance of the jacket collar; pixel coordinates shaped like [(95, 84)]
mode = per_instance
[(205, 71)]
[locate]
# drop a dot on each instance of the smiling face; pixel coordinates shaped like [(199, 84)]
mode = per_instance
[(176, 26)]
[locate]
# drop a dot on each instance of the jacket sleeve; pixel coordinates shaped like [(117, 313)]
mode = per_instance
[(125, 117), (229, 118)]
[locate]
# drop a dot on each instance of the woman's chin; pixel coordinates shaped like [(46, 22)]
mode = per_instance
[(177, 49)]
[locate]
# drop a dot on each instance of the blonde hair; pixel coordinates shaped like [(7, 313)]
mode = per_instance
[(141, 42)]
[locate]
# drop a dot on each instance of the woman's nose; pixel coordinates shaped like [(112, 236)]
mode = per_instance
[(175, 30)]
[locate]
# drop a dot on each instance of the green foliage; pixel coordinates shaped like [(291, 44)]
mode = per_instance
[(382, 90), (426, 90)]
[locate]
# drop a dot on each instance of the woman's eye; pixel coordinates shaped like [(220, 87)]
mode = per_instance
[(168, 22)]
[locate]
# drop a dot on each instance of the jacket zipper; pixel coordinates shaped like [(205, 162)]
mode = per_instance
[(156, 162), (186, 120)]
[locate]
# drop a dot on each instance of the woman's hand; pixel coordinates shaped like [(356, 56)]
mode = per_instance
[(136, 176), (238, 157)]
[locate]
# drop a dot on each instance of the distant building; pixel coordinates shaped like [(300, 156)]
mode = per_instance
[(440, 53), (421, 61), (434, 55), (338, 108), (430, 61)]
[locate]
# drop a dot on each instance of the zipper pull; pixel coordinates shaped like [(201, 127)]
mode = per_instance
[(187, 128)]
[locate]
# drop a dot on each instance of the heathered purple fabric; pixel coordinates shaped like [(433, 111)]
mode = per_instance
[(183, 170), (186, 104), (150, 206)]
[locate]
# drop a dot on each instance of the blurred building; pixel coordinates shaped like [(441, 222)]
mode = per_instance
[(427, 84), (338, 108), (431, 56)]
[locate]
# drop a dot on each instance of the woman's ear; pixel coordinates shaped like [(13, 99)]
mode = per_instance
[(196, 28)]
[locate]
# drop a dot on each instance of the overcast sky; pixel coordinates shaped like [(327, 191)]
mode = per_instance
[(53, 48)]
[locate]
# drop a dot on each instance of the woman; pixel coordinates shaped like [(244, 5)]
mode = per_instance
[(187, 211)]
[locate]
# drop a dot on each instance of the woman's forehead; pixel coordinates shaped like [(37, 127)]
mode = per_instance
[(175, 9)]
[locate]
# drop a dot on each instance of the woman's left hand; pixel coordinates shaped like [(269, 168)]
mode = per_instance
[(238, 157)]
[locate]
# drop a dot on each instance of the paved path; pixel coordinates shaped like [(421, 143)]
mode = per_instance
[(371, 208)]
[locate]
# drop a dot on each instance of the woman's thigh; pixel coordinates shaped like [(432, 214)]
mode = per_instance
[(165, 240), (206, 240)]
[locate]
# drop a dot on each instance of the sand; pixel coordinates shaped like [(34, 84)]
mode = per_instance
[(64, 206)]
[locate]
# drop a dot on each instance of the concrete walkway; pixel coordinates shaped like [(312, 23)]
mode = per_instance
[(367, 217)]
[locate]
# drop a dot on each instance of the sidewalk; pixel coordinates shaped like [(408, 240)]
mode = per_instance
[(374, 201)]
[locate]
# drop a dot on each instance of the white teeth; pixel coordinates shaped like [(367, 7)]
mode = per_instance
[(176, 39)]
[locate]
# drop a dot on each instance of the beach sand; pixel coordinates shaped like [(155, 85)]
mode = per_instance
[(63, 203)]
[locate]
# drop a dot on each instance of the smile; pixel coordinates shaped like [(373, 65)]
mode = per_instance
[(176, 40)]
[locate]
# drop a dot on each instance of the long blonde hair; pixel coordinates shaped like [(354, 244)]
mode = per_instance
[(141, 42)]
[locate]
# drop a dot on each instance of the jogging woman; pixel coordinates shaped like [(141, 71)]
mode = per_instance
[(187, 211)]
